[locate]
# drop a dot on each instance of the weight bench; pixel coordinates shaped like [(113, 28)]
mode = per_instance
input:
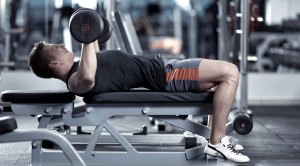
[(109, 146)]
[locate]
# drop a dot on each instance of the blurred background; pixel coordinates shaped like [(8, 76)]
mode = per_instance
[(189, 28)]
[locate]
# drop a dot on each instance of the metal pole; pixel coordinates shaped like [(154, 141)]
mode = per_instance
[(111, 6), (177, 19), (5, 29), (244, 54), (223, 38), (2, 14), (46, 19), (193, 34)]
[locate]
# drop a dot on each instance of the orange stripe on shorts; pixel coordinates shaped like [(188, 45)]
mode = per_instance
[(183, 74)]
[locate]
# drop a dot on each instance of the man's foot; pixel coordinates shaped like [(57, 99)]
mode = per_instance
[(225, 150)]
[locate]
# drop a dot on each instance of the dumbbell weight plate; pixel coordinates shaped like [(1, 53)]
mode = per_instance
[(107, 31), (85, 25), (242, 124)]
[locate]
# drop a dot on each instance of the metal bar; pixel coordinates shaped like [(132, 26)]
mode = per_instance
[(46, 19), (93, 140), (111, 5), (177, 19), (223, 37), (150, 139), (36, 155), (2, 15), (125, 36), (100, 114), (7, 47), (163, 158), (44, 134), (244, 54), (186, 125), (123, 142), (193, 34)]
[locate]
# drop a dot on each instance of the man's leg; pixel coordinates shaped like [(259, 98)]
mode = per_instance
[(226, 76)]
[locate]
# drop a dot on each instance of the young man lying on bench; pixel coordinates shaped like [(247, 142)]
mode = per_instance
[(115, 71)]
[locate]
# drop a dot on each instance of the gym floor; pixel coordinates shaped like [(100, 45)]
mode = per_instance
[(274, 139)]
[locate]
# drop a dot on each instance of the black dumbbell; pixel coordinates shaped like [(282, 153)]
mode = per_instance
[(87, 26), (241, 121)]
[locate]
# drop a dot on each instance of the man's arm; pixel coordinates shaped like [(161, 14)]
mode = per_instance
[(84, 78)]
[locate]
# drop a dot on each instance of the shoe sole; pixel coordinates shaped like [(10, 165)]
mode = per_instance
[(214, 154)]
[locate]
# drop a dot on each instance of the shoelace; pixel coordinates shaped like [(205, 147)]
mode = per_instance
[(233, 141), (231, 147)]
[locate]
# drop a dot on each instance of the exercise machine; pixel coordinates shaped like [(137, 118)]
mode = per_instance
[(115, 148)]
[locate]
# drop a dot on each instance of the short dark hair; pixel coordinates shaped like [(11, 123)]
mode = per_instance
[(39, 60)]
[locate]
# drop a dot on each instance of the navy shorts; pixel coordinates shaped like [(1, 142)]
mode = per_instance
[(182, 75)]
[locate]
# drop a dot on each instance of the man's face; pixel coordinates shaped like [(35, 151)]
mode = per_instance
[(59, 52)]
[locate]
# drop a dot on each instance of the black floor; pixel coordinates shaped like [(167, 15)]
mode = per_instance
[(274, 140)]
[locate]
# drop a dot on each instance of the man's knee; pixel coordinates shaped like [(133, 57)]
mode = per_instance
[(232, 73)]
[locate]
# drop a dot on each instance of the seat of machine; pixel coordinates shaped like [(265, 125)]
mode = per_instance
[(146, 96), (7, 124), (41, 96)]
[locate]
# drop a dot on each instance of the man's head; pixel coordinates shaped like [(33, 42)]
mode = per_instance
[(49, 60)]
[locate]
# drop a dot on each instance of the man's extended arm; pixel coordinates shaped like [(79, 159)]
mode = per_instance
[(84, 78)]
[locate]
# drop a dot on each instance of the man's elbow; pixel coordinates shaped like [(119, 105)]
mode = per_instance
[(88, 81)]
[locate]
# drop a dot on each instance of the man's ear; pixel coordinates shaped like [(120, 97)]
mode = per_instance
[(53, 64)]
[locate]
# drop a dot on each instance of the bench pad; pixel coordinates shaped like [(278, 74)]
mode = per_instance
[(135, 96), (42, 96), (150, 97)]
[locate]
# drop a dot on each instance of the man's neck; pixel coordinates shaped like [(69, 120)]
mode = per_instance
[(66, 72)]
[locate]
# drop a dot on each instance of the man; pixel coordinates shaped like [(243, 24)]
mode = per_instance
[(112, 70)]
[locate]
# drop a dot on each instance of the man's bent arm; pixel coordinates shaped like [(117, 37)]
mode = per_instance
[(84, 78)]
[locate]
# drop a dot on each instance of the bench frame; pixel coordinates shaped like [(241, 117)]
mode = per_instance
[(98, 115)]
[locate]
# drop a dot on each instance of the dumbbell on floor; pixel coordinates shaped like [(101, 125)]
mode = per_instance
[(87, 26), (240, 121)]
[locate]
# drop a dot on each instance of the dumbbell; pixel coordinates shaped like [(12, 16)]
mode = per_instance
[(87, 26), (240, 121)]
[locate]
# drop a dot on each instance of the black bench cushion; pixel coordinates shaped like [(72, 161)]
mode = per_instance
[(135, 96), (150, 97), (42, 96), (7, 124)]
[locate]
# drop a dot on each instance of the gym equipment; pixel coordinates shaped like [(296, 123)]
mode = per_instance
[(239, 121), (106, 33), (87, 26), (113, 147), (288, 58), (96, 111), (127, 39), (232, 18), (7, 134), (243, 124)]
